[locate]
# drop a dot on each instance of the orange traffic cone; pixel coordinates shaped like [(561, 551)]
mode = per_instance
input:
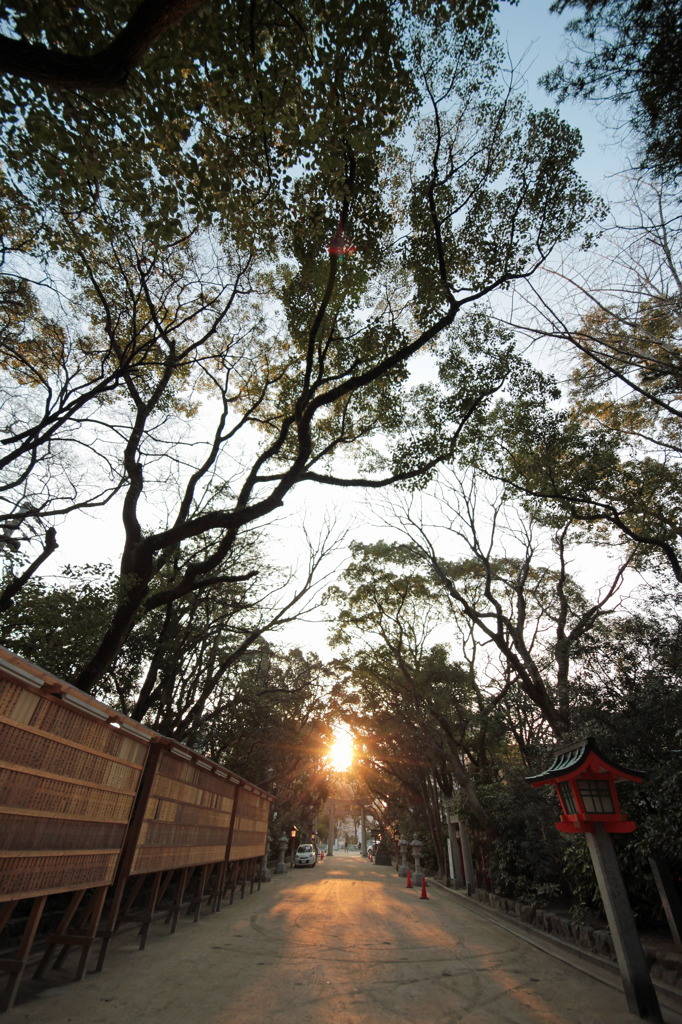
[(423, 895), (409, 880)]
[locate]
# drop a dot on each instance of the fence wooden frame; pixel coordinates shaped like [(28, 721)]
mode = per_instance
[(138, 859), (70, 770), (114, 764)]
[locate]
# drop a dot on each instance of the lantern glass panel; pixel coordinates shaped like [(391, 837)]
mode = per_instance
[(567, 799), (596, 796)]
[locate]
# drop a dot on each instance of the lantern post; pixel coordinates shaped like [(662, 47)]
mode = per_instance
[(585, 783), (363, 838)]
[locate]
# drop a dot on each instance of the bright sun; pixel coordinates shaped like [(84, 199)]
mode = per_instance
[(341, 753)]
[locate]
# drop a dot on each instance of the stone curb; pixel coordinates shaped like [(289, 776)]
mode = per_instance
[(589, 943)]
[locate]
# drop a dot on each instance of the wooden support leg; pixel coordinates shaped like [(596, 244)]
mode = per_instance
[(83, 935), (107, 932), (131, 897), (220, 887), (151, 907), (234, 873), (74, 939), (228, 877), (95, 911), (6, 911), (182, 885), (164, 885), (56, 938), (210, 891), (16, 965), (235, 880), (203, 878)]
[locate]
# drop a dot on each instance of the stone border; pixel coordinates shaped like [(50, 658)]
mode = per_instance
[(666, 967)]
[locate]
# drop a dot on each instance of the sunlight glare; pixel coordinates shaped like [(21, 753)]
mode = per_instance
[(341, 753)]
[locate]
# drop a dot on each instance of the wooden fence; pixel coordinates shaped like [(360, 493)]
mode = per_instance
[(94, 804)]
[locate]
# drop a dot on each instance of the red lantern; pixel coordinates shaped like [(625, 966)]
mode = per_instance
[(586, 786)]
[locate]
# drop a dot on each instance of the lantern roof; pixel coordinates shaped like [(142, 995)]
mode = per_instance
[(578, 758)]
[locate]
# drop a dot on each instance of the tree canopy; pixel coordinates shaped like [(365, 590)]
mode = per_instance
[(209, 109), (609, 452), (301, 356), (628, 53)]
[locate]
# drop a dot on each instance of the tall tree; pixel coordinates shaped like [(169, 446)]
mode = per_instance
[(388, 620), (178, 668), (512, 582), (610, 453), (312, 351), (108, 67), (628, 53), (271, 723)]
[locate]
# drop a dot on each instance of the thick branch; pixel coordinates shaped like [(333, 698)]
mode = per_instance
[(13, 588), (106, 69)]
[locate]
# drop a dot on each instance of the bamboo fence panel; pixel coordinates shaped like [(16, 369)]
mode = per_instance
[(251, 824), (184, 818), (69, 776), (88, 796)]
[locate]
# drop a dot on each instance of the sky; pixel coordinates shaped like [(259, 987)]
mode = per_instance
[(535, 41)]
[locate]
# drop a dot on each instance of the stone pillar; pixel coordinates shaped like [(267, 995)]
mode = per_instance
[(402, 870), (639, 990), (416, 853), (469, 872), (453, 850), (283, 843), (332, 829), (450, 880), (265, 874)]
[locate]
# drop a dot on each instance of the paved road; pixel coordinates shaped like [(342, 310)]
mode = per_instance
[(343, 942)]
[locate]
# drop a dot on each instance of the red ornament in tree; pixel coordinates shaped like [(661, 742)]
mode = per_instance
[(340, 244)]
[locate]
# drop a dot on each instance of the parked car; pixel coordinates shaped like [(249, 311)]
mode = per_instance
[(305, 856)]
